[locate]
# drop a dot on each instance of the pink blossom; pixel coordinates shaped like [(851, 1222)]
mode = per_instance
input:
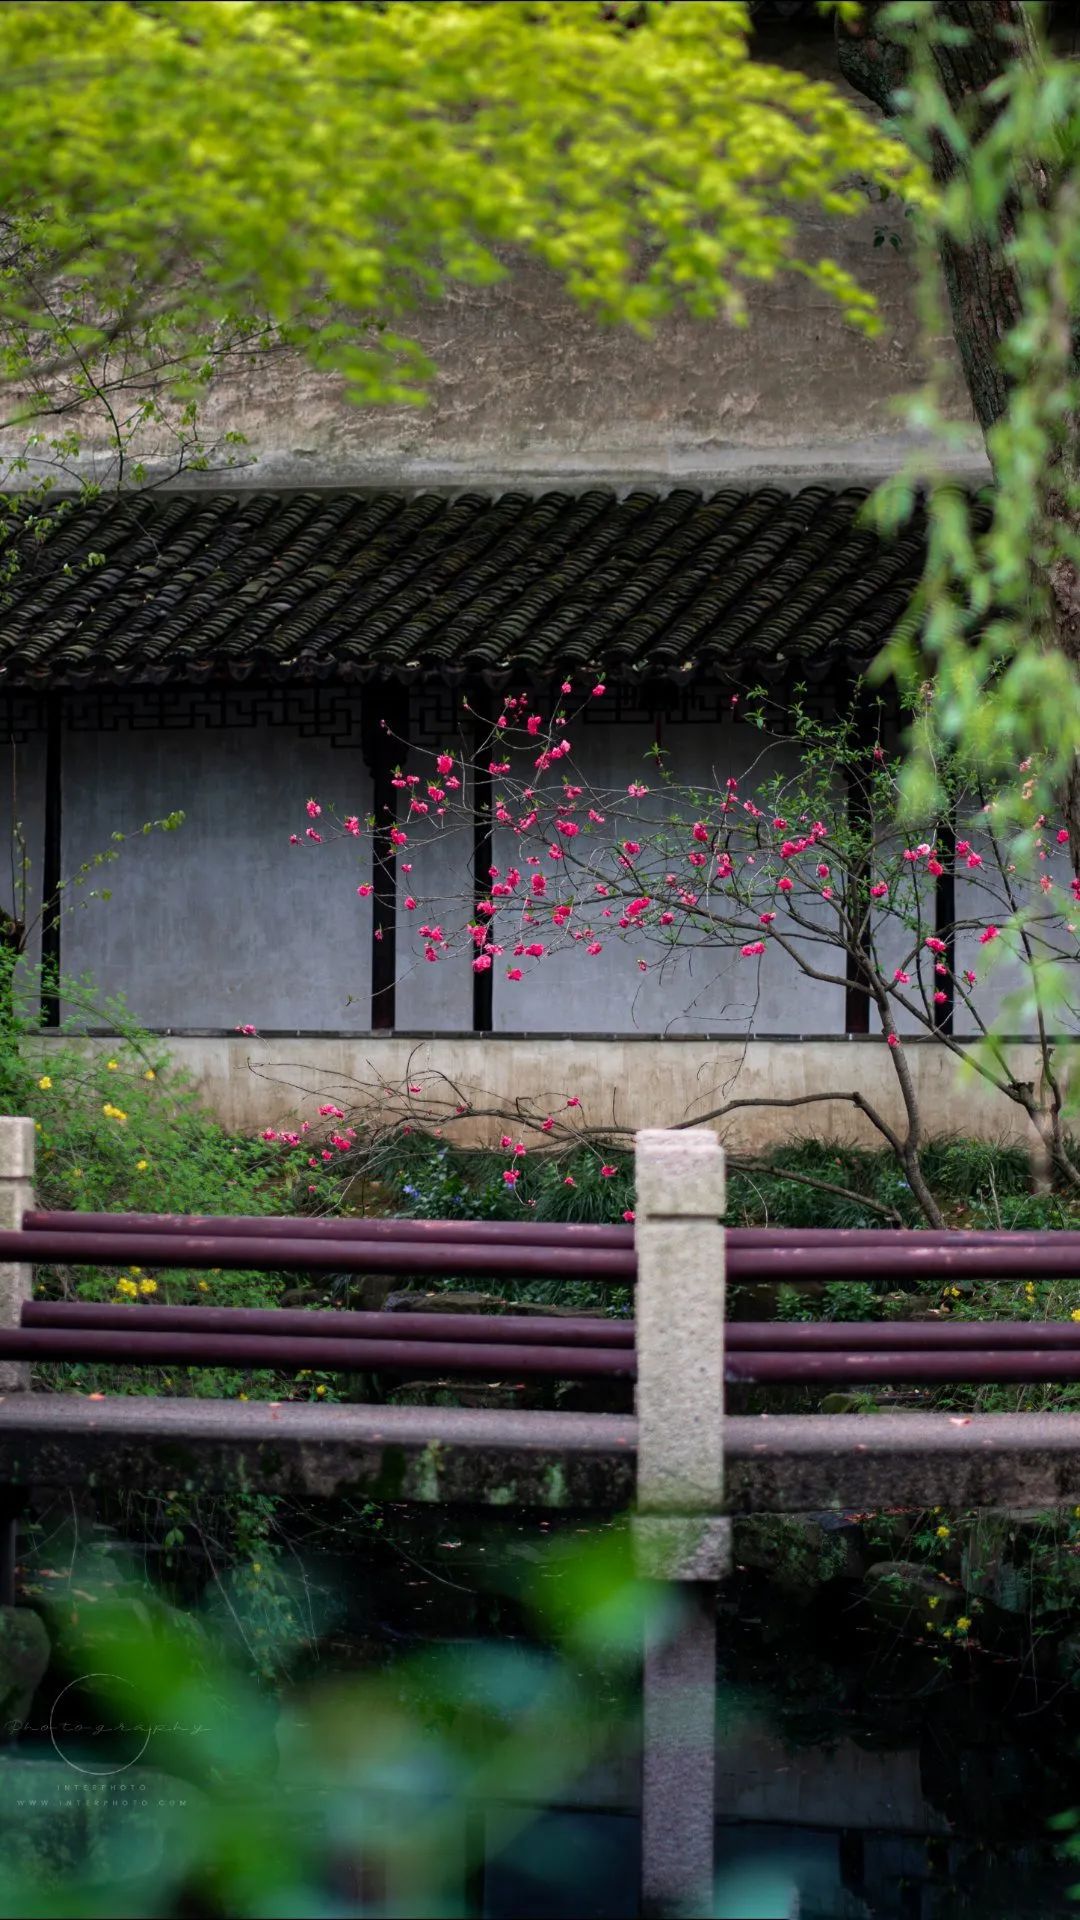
[(445, 762), (700, 831), (569, 1181), (597, 818), (974, 860), (666, 919), (628, 1213), (268, 1134), (312, 835), (766, 919), (248, 1031), (785, 885), (636, 790), (573, 1101), (481, 963), (902, 978), (963, 846), (607, 1172), (594, 946), (351, 824), (969, 976), (533, 723), (631, 846), (941, 968), (893, 1039), (597, 691), (642, 966), (935, 868), (414, 1087), (330, 1112), (754, 947), (410, 903), (988, 934), (313, 809), (565, 688), (430, 954), (498, 766), (511, 1175), (826, 893), (697, 859), (398, 837), (513, 973), (547, 1125), (879, 753), (940, 997), (1063, 836), (780, 825), (923, 849), (935, 945), (823, 871), (294, 839)]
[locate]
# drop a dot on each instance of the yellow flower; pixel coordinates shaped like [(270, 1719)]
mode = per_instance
[(141, 1166), (256, 1566), (1075, 1314), (76, 1173), (147, 1286), (934, 1600), (320, 1391), (113, 1113), (149, 1074), (127, 1288), (135, 1270), (304, 1373), (241, 1396), (45, 1083), (113, 1065), (37, 1126), (943, 1533), (1029, 1286), (963, 1625), (204, 1286)]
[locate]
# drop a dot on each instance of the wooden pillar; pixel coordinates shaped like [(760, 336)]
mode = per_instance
[(385, 729)]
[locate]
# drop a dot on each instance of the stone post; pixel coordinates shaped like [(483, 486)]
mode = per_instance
[(16, 1196), (679, 1528)]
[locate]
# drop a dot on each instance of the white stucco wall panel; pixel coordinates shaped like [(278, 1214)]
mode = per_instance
[(222, 922)]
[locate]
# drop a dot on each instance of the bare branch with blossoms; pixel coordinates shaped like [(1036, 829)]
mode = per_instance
[(809, 865)]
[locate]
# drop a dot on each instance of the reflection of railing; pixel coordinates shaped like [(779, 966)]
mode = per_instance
[(681, 1463)]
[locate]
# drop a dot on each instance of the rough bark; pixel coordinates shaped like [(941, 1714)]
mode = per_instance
[(983, 289)]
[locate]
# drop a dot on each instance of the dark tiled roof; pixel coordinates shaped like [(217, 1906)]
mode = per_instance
[(155, 587)]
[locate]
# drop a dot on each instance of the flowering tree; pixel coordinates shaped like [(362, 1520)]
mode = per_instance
[(806, 866)]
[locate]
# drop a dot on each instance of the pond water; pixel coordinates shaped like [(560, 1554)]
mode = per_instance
[(860, 1775)]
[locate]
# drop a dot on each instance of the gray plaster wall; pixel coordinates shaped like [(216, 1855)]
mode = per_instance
[(531, 390), (222, 923), (710, 989)]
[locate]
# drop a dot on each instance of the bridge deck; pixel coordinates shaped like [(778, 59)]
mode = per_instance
[(581, 1462)]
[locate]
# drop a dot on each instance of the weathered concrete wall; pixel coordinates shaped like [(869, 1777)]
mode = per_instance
[(532, 391), (625, 1082)]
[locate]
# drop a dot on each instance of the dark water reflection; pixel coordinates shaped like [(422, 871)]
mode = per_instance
[(859, 1776)]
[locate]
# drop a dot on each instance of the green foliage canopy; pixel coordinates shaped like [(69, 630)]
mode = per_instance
[(328, 165)]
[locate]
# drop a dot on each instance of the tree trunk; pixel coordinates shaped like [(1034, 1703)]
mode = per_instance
[(983, 288)]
